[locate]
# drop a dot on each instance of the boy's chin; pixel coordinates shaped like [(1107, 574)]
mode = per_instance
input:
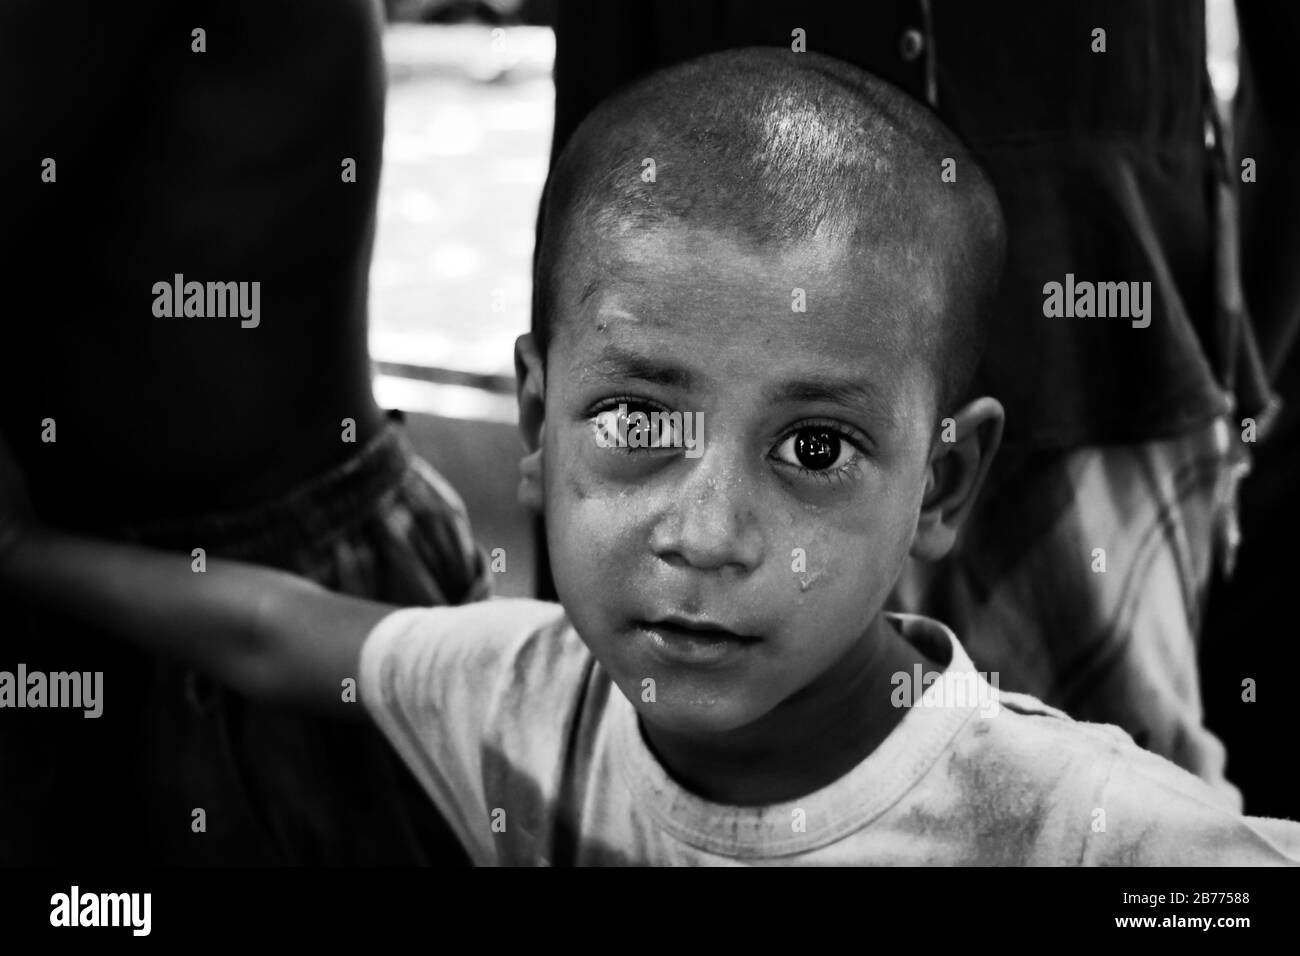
[(696, 718)]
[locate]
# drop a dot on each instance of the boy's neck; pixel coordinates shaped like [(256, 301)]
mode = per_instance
[(807, 742)]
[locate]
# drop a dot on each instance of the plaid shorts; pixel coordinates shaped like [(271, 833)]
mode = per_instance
[(1080, 578), (275, 786)]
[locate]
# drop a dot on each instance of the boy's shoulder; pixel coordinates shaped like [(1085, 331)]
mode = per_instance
[(1124, 805), (479, 700), (483, 644), (1023, 782), (1157, 813)]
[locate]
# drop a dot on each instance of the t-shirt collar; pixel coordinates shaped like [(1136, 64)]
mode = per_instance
[(847, 804)]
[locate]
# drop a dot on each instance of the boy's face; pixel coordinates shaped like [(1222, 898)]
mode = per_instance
[(788, 526)]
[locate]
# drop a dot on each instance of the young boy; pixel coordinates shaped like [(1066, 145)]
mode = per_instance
[(762, 242)]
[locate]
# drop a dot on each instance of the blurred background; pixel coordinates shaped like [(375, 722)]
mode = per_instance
[(467, 138)]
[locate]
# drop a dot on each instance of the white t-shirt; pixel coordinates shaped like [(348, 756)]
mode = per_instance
[(535, 757)]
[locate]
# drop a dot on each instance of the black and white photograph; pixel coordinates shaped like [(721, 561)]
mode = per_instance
[(446, 434)]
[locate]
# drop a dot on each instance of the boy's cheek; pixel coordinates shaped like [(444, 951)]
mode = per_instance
[(594, 497), (832, 578), (597, 529)]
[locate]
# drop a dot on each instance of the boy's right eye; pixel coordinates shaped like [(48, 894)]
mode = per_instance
[(629, 424)]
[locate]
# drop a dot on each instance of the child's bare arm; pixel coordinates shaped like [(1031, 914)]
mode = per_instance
[(267, 633)]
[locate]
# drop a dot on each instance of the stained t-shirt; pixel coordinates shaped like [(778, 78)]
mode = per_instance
[(535, 757)]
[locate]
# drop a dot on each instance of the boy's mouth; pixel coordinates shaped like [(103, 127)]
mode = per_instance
[(683, 641)]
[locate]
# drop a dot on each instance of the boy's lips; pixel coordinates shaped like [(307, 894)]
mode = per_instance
[(685, 641)]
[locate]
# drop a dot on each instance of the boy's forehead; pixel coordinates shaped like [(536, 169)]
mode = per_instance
[(824, 295)]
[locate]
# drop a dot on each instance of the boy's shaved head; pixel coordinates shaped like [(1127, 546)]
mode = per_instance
[(777, 148), (745, 573)]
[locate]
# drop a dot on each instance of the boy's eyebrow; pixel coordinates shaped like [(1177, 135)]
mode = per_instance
[(615, 362), (852, 394)]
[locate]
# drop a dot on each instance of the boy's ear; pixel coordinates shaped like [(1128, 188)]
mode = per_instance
[(531, 395), (958, 464)]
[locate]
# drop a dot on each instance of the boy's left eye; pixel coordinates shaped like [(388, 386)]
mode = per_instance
[(816, 448)]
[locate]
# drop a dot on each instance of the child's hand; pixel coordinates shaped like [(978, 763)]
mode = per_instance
[(16, 515)]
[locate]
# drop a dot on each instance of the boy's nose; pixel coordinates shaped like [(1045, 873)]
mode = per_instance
[(712, 522)]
